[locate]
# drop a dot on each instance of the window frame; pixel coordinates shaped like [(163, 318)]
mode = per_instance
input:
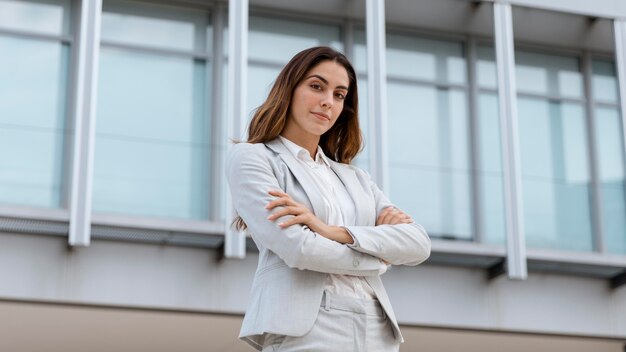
[(475, 253)]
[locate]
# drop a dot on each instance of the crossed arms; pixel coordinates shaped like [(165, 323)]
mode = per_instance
[(302, 241)]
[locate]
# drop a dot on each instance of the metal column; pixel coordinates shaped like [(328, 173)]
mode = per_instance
[(474, 146), (620, 60), (596, 194), (86, 83), (505, 62), (218, 120), (377, 91), (235, 241)]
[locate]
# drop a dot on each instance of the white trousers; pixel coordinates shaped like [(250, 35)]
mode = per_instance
[(343, 324)]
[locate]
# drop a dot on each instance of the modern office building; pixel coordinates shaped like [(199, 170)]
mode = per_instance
[(497, 124)]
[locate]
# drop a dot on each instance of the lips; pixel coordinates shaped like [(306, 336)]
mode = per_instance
[(321, 115)]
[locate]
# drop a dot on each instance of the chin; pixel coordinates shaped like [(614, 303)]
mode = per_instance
[(317, 130), (319, 133)]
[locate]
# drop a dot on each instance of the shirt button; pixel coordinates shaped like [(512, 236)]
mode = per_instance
[(355, 262)]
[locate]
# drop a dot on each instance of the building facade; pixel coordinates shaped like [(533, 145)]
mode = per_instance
[(497, 124)]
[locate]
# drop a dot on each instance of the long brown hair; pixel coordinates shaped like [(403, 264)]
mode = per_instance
[(342, 142)]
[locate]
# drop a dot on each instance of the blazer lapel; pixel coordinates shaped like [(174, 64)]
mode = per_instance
[(305, 179), (365, 213)]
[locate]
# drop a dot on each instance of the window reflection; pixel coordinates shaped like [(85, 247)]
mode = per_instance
[(490, 174), (153, 130), (33, 87), (548, 75), (555, 174), (428, 157), (488, 140), (554, 152), (40, 17), (156, 32), (428, 133), (611, 173), (277, 41), (486, 67), (604, 81), (260, 82), (363, 159), (359, 52), (425, 59)]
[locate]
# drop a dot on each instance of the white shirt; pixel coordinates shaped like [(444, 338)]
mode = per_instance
[(340, 210)]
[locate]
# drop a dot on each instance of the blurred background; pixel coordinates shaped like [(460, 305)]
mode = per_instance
[(490, 122)]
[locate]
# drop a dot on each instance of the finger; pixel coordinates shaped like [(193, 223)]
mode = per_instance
[(381, 216), (279, 202), (399, 218), (292, 221), (285, 211), (399, 214), (396, 216), (398, 210), (406, 220), (389, 215), (278, 193)]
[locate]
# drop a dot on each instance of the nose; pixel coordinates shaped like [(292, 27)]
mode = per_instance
[(327, 101)]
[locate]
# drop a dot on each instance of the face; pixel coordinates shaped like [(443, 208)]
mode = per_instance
[(317, 101)]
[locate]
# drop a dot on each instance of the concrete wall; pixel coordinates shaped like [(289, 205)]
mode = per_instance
[(28, 327), (122, 274)]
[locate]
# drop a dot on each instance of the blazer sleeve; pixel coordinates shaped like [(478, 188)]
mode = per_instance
[(401, 244), (250, 178)]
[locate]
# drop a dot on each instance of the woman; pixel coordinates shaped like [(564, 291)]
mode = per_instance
[(324, 230)]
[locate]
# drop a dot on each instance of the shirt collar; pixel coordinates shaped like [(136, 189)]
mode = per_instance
[(302, 154)]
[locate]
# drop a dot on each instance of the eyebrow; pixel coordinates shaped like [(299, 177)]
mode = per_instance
[(326, 81)]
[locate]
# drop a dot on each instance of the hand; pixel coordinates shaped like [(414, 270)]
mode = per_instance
[(393, 216), (302, 215)]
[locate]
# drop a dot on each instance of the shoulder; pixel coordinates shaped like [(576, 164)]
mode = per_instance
[(247, 152), (244, 149), (247, 147)]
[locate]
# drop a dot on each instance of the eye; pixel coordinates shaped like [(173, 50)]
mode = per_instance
[(316, 86), (340, 96)]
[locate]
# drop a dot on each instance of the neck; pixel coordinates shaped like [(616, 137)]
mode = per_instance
[(305, 140)]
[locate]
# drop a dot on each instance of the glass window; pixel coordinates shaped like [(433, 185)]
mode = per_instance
[(548, 75), (261, 81), (45, 17), (554, 152), (611, 173), (428, 157), (486, 67), (604, 81), (488, 140), (555, 174), (33, 88), (359, 62), (610, 156), (362, 159), (359, 52), (490, 173), (157, 32), (153, 124), (278, 40), (428, 134), (425, 59)]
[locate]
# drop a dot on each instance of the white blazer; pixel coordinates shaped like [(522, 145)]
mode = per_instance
[(294, 261)]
